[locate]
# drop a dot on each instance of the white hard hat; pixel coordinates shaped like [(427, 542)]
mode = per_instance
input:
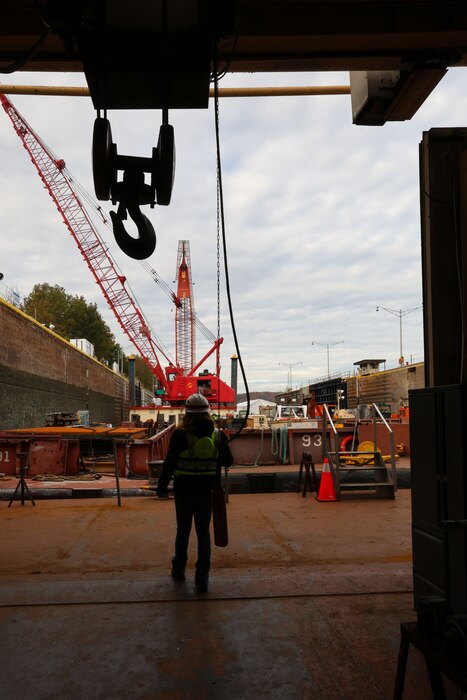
[(197, 403)]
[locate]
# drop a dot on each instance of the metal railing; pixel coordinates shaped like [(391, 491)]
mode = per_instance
[(376, 412), (160, 442), (327, 418), (391, 442)]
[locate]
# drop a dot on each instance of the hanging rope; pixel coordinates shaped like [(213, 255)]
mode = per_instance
[(280, 442), (284, 443), (218, 253), (274, 441), (222, 233), (256, 464)]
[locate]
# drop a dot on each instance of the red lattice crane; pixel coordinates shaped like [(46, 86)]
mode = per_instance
[(178, 380), (185, 310)]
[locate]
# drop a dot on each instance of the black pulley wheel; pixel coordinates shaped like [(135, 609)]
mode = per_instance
[(164, 177), (104, 154)]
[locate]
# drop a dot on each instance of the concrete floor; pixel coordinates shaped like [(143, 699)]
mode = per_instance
[(305, 602)]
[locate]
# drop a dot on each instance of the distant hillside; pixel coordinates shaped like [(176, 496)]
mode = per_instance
[(266, 395)]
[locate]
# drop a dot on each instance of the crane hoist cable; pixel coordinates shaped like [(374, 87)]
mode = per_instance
[(97, 208), (222, 230), (93, 249), (113, 284)]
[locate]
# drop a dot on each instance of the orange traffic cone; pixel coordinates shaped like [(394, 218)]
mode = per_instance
[(326, 486)]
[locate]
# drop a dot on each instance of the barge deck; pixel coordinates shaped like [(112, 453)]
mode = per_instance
[(275, 478), (305, 602)]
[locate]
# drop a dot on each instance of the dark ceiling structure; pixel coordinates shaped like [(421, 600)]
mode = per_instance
[(272, 35), (397, 51)]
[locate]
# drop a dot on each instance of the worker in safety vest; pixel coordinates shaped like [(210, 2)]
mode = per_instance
[(192, 460)]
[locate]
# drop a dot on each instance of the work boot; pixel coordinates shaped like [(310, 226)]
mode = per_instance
[(177, 573), (201, 582)]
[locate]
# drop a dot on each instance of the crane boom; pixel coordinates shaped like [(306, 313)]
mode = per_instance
[(165, 287), (184, 313), (111, 282), (178, 380)]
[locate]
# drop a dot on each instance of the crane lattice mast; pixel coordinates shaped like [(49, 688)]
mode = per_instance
[(112, 283), (185, 311)]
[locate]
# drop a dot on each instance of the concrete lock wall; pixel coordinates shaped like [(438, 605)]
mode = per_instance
[(41, 373), (389, 386)]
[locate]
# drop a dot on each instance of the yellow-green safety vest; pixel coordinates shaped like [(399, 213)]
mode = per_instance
[(200, 458)]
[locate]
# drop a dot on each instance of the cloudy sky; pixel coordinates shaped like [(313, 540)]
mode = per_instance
[(322, 221)]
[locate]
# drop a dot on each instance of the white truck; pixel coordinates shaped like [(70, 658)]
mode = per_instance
[(289, 413)]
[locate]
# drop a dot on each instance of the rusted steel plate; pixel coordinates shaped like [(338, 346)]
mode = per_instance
[(47, 457), (121, 455), (401, 435), (252, 446), (79, 431), (8, 459), (266, 447), (72, 457), (139, 454)]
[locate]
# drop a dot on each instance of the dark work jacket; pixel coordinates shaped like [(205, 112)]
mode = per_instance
[(189, 483)]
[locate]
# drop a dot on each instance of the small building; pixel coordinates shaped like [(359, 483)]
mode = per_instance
[(368, 366), (83, 345)]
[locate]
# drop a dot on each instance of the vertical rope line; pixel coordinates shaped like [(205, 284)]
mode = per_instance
[(225, 257), (218, 242)]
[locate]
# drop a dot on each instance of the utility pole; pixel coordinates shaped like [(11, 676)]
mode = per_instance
[(400, 313), (327, 346), (289, 374)]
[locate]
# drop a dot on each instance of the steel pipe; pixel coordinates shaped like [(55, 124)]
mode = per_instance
[(286, 91)]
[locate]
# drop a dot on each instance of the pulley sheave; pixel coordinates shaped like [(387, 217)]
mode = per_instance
[(131, 192)]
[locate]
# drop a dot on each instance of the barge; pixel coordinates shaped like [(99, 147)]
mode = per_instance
[(265, 459)]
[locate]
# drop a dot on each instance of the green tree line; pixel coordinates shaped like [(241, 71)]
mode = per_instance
[(71, 316)]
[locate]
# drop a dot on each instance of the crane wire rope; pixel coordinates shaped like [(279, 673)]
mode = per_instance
[(104, 219), (222, 234), (99, 211), (59, 184), (218, 279), (91, 204), (63, 189), (97, 208)]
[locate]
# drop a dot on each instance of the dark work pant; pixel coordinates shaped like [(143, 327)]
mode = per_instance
[(189, 506)]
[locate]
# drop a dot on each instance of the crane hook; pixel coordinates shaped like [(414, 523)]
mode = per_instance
[(136, 248)]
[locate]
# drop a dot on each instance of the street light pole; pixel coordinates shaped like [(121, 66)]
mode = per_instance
[(289, 374), (400, 313), (327, 346)]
